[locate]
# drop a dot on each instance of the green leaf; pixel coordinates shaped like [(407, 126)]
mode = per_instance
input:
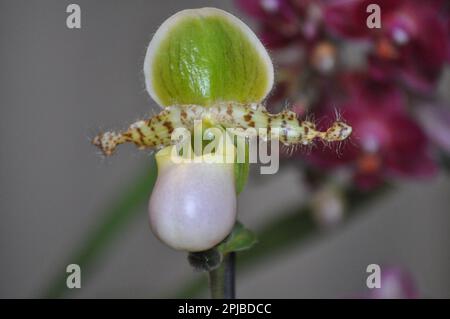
[(204, 56), (240, 239), (122, 210), (241, 170)]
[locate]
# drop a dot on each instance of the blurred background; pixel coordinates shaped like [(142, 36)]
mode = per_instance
[(382, 198)]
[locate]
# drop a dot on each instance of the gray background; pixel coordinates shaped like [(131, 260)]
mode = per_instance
[(58, 87)]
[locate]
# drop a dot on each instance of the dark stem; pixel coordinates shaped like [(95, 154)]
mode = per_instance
[(222, 279)]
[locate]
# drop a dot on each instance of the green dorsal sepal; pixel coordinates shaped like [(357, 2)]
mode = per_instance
[(206, 56)]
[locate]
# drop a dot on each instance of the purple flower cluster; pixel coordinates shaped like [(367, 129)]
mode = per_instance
[(388, 95)]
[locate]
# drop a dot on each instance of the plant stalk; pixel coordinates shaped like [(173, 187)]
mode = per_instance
[(222, 279)]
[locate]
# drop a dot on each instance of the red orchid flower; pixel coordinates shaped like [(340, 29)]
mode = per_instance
[(386, 141), (284, 21), (412, 44)]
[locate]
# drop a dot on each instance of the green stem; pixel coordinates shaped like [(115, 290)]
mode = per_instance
[(222, 279)]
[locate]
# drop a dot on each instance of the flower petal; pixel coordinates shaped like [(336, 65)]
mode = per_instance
[(203, 56)]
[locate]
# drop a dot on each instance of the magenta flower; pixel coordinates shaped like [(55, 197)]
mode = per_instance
[(412, 44), (396, 283), (284, 21), (386, 141)]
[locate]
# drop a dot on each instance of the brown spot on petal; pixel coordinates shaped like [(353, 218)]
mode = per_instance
[(247, 117), (229, 109), (141, 135), (169, 126)]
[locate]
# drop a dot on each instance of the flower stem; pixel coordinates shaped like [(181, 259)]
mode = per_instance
[(222, 279)]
